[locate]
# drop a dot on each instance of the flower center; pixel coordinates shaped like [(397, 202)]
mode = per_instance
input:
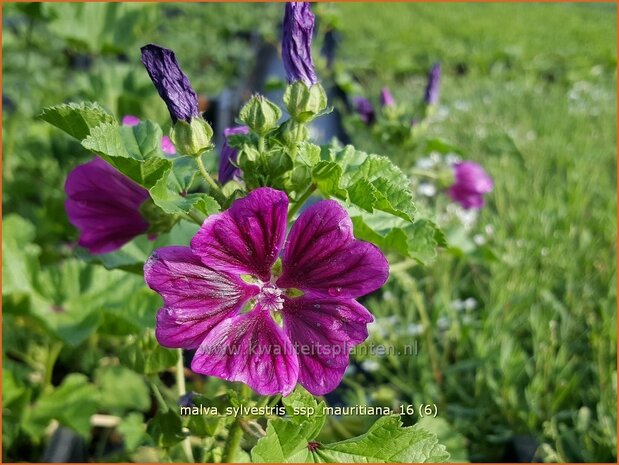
[(271, 297)]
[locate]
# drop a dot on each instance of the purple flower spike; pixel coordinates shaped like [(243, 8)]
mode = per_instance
[(104, 205), (233, 322), (386, 99), (171, 83), (130, 120), (434, 85), (297, 43), (471, 184), (364, 109), (227, 157)]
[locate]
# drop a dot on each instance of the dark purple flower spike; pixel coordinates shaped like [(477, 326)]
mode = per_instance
[(228, 155), (471, 184), (104, 205), (171, 83), (297, 43), (364, 109), (232, 322), (434, 85), (386, 99)]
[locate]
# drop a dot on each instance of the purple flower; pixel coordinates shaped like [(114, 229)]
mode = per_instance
[(166, 144), (386, 99), (104, 205), (222, 296), (364, 109), (171, 83), (471, 183), (227, 157), (130, 120), (297, 43), (433, 86)]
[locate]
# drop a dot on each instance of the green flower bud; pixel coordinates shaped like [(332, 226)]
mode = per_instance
[(305, 103), (193, 138), (260, 114)]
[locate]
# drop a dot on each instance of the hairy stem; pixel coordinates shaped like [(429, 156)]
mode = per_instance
[(215, 190), (52, 356)]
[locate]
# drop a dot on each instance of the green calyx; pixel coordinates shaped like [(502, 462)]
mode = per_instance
[(305, 103), (158, 220), (193, 138), (260, 115)]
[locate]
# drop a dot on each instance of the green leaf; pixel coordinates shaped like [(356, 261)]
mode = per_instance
[(170, 193), (418, 240), (133, 430), (134, 151), (370, 182), (20, 261), (72, 404), (288, 438), (77, 119), (166, 429), (122, 389), (385, 442), (146, 356)]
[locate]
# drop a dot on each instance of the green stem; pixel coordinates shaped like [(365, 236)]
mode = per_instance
[(299, 203), (233, 442), (52, 356), (215, 190), (182, 390), (160, 400), (194, 217)]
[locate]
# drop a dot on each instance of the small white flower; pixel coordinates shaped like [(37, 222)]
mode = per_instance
[(442, 323), (489, 230), (426, 189), (457, 305), (470, 304), (452, 159), (425, 163), (415, 329), (370, 365), (479, 239)]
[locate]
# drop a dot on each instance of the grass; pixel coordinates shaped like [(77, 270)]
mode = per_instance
[(530, 92)]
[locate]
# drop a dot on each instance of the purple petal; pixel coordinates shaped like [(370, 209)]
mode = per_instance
[(104, 205), (323, 331), (364, 109), (167, 146), (386, 99), (250, 348), (130, 120), (322, 256), (433, 86), (247, 238), (171, 83), (297, 34), (195, 297), (471, 182), (228, 155)]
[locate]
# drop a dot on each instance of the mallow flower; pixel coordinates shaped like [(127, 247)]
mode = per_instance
[(433, 86), (264, 309), (364, 109), (171, 83), (470, 185), (298, 29), (386, 99), (228, 155), (104, 205), (166, 144)]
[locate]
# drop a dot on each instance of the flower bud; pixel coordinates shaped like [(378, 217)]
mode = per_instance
[(471, 183), (386, 99), (304, 102), (193, 138), (365, 110), (298, 28), (260, 114), (433, 86)]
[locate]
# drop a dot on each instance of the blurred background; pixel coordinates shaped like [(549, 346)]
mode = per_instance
[(514, 322)]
